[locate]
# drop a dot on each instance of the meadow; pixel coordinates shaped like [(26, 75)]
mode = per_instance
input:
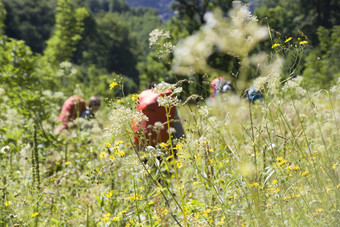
[(274, 162)]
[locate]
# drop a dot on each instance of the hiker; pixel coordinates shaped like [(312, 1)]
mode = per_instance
[(72, 109), (219, 85), (75, 107), (155, 130), (93, 105), (253, 94)]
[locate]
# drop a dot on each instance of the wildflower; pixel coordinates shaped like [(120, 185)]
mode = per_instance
[(165, 211), (211, 150), (221, 222), (319, 210), (275, 45), (7, 203), (274, 182), (157, 36), (52, 179), (119, 102), (108, 145), (134, 97), (57, 163), (109, 194), (206, 212), (305, 173), (335, 165), (254, 184), (179, 146), (112, 157), (113, 85), (35, 214), (179, 164), (115, 219), (288, 39), (142, 188), (303, 42), (4, 149), (100, 173), (118, 142), (67, 163), (151, 203), (103, 155), (164, 145), (296, 168), (123, 211)]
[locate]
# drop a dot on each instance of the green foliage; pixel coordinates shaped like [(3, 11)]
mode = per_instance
[(2, 18), (141, 22), (109, 44), (321, 68), (67, 33), (30, 20)]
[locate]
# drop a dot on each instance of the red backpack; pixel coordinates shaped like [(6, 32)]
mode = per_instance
[(148, 105), (72, 109)]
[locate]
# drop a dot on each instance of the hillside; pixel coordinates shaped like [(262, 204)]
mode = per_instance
[(163, 6)]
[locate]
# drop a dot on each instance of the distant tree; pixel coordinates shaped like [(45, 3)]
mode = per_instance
[(30, 20), (322, 67), (66, 34)]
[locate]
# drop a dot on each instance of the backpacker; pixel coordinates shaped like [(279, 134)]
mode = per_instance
[(143, 130), (72, 109), (219, 85)]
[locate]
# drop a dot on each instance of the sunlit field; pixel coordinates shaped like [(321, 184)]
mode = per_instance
[(272, 162)]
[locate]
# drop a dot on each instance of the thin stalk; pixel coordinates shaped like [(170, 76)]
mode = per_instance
[(175, 166)]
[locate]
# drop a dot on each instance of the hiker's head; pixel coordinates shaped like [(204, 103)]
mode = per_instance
[(151, 85), (93, 103)]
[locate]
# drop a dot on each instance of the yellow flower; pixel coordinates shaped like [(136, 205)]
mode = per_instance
[(67, 163), (110, 194), (52, 179), (100, 173), (112, 157), (275, 45), (254, 184), (7, 203), (206, 212), (123, 211), (179, 146), (305, 173), (115, 219), (134, 97), (274, 182), (119, 142), (119, 102), (319, 210), (165, 211), (296, 168), (211, 150), (335, 165), (142, 188), (113, 85), (151, 203), (105, 219), (288, 39), (303, 42), (57, 163), (179, 164), (108, 145), (103, 155), (35, 214)]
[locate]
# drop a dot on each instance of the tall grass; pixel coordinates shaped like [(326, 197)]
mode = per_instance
[(271, 163)]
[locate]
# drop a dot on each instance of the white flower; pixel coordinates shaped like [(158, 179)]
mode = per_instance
[(157, 36), (4, 149)]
